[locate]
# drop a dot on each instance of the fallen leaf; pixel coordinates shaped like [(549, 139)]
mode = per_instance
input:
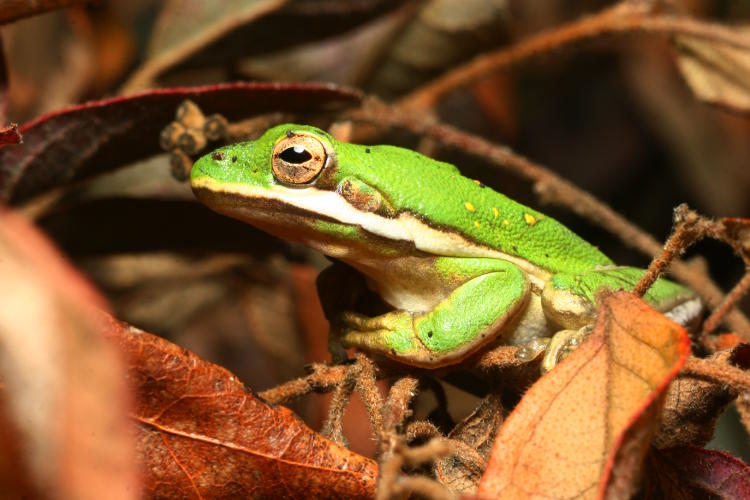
[(696, 473), (201, 433), (716, 72), (693, 405), (583, 429), (63, 397), (95, 137)]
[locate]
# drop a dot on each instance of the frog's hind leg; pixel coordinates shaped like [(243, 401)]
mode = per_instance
[(569, 301), (472, 315)]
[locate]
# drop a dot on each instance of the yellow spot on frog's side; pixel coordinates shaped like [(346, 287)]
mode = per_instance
[(469, 206), (477, 182), (477, 224), (530, 219), (506, 222), (495, 212)]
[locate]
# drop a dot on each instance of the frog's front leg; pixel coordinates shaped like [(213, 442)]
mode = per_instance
[(493, 293)]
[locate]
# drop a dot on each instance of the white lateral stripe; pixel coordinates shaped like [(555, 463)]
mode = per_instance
[(687, 311), (404, 227)]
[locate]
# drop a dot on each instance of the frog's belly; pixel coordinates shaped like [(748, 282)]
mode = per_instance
[(415, 289)]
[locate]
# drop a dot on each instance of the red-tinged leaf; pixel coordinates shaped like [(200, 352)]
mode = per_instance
[(98, 136), (583, 429), (203, 434), (63, 396), (696, 473), (12, 10), (9, 135)]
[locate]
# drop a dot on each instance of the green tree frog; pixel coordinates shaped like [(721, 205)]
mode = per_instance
[(459, 265)]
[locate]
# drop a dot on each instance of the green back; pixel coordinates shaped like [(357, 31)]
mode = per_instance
[(437, 193)]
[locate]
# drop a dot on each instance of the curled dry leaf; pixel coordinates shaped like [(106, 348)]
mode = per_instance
[(693, 405), (96, 137), (9, 135), (462, 471), (202, 434), (716, 72), (62, 388), (583, 429), (696, 473)]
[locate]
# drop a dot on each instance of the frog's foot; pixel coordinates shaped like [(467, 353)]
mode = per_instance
[(532, 349), (391, 334), (561, 345)]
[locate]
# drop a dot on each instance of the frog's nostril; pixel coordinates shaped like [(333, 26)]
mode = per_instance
[(217, 156)]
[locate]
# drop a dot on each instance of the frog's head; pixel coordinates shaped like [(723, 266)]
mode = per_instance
[(290, 184)]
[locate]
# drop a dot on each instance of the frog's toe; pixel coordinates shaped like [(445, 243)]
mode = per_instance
[(561, 345), (530, 350), (393, 343)]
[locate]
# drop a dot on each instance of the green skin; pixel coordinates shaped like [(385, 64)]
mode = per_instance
[(461, 265)]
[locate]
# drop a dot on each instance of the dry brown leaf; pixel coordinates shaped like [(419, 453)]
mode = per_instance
[(716, 72), (461, 472), (693, 405), (61, 384), (201, 433), (590, 420)]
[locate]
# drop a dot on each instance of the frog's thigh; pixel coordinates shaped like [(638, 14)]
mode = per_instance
[(568, 301), (472, 315)]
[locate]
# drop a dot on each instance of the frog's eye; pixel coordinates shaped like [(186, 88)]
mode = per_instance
[(298, 158)]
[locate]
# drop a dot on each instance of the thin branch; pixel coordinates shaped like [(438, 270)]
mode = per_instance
[(622, 19), (742, 403), (368, 391), (324, 378), (722, 373), (332, 427), (720, 312), (685, 233)]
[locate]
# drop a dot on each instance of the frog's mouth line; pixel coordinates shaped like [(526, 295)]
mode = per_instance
[(239, 200)]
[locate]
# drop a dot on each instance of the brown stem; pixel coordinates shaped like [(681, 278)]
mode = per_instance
[(683, 235), (323, 378), (743, 408), (735, 377), (368, 391), (620, 19), (332, 427), (721, 311)]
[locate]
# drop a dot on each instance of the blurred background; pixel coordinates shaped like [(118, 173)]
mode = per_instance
[(613, 116)]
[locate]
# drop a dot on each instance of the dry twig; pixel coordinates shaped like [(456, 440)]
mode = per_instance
[(719, 372)]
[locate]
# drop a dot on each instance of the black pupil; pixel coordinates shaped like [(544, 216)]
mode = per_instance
[(295, 154)]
